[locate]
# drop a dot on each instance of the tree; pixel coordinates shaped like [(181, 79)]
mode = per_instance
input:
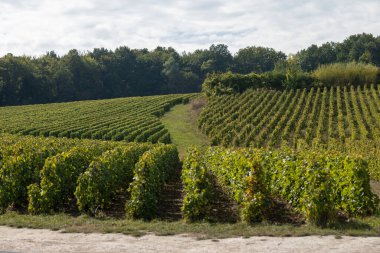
[(19, 86), (256, 59), (194, 61), (221, 57), (103, 73), (172, 73), (354, 47), (314, 56)]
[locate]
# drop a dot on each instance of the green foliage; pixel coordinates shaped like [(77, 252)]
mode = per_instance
[(347, 74), (20, 166), (58, 174), (241, 172), (165, 138), (363, 48), (92, 75), (314, 56), (153, 169), (295, 77), (319, 184), (198, 187), (171, 70), (107, 175), (130, 119), (228, 83), (104, 73), (323, 185), (59, 178), (256, 59), (343, 119)]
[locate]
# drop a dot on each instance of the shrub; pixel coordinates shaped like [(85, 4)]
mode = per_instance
[(109, 174), (59, 177), (320, 185), (151, 172), (229, 83), (21, 168), (347, 73), (197, 186), (323, 185), (165, 138), (241, 172)]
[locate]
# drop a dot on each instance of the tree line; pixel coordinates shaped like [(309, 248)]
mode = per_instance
[(103, 73)]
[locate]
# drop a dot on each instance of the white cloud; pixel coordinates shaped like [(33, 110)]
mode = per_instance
[(33, 27)]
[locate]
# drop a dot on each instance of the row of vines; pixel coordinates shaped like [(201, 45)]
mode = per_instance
[(345, 118), (129, 119), (273, 118), (321, 186), (47, 175)]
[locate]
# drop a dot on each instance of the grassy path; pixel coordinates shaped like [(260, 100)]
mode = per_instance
[(181, 121)]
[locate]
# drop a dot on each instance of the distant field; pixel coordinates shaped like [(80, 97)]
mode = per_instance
[(130, 119), (269, 118)]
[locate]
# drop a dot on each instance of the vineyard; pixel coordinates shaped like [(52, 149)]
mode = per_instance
[(341, 118), (50, 175), (269, 118), (47, 175), (308, 153), (130, 119), (320, 185)]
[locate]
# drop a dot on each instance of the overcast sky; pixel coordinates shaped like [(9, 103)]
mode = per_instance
[(34, 27)]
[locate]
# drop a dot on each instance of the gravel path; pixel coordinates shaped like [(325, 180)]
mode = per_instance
[(40, 240)]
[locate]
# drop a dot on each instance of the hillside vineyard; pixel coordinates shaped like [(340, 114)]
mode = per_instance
[(130, 119), (270, 118), (324, 152), (56, 174)]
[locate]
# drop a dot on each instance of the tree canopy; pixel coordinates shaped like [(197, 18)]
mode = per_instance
[(104, 73)]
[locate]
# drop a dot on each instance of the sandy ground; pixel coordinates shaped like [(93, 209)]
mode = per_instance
[(40, 240)]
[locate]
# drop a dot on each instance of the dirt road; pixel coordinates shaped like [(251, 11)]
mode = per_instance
[(40, 240)]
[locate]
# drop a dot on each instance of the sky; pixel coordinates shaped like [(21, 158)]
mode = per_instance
[(33, 27)]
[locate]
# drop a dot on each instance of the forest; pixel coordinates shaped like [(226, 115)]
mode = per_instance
[(124, 72)]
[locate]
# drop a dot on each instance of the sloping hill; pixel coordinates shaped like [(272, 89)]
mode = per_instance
[(269, 118), (130, 119)]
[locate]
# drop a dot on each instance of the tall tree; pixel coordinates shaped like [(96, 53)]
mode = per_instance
[(257, 59)]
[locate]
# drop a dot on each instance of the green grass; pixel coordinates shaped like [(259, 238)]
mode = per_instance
[(181, 121), (83, 224)]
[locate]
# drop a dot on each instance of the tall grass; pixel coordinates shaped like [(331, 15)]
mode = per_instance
[(347, 73)]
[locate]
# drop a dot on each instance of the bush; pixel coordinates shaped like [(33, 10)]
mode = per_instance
[(59, 177), (151, 172), (197, 186), (165, 138), (323, 185), (347, 74), (21, 167), (299, 80), (154, 137), (109, 174), (320, 185), (241, 173), (229, 83)]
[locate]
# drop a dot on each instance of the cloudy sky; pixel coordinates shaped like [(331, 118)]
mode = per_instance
[(34, 27)]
